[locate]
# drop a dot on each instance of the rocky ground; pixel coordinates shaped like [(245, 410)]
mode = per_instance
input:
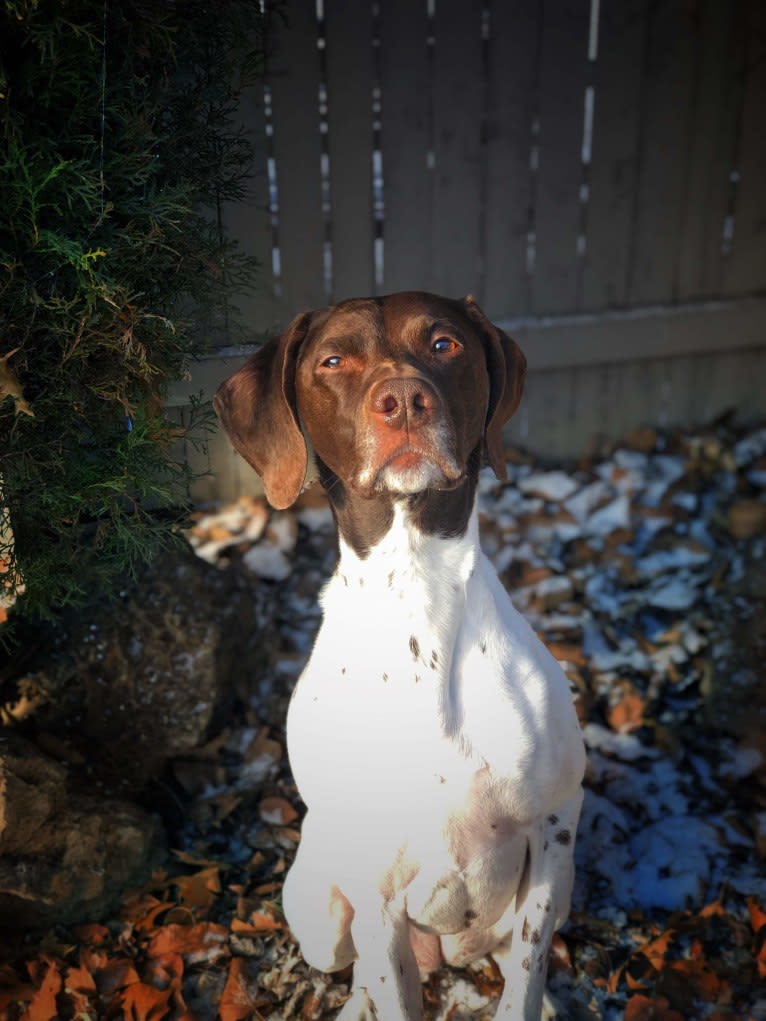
[(644, 572)]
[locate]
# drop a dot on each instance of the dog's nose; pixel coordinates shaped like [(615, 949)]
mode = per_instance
[(401, 401)]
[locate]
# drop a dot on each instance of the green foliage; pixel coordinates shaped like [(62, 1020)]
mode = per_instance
[(118, 147)]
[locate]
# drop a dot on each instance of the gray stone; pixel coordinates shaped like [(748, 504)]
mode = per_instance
[(64, 856)]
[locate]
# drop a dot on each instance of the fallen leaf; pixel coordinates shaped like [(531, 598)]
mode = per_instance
[(15, 992), (143, 909), (756, 913), (10, 386), (277, 811), (195, 943), (642, 1008), (240, 998), (259, 921), (109, 975), (201, 889), (93, 935), (80, 980), (164, 971), (656, 949), (705, 983), (628, 713), (714, 908), (141, 1002), (42, 1006)]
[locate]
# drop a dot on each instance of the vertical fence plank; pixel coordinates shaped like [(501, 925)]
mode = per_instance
[(564, 70), (667, 93), (294, 80), (513, 77), (723, 159), (349, 88), (249, 222), (617, 83), (457, 96), (712, 145), (745, 270), (405, 140)]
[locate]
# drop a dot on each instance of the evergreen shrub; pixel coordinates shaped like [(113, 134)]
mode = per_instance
[(118, 145)]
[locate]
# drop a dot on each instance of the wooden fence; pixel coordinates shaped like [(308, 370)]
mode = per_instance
[(592, 171)]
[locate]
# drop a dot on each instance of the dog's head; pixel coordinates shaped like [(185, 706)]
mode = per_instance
[(397, 395)]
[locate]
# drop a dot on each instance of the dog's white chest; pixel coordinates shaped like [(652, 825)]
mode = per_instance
[(422, 677)]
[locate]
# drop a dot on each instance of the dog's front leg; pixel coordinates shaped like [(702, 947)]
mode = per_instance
[(541, 905), (386, 979)]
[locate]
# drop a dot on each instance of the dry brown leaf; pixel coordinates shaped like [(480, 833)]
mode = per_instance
[(714, 908), (628, 713), (79, 980), (164, 971), (706, 984), (559, 959), (567, 653), (258, 922), (143, 909), (656, 949), (93, 935), (756, 913), (205, 941), (489, 979), (141, 1002), (42, 1006), (109, 976), (263, 745), (266, 888), (277, 811), (14, 991), (10, 386), (644, 1008), (240, 998), (201, 889)]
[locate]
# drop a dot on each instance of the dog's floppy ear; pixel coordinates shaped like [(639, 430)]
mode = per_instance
[(257, 409), (507, 368)]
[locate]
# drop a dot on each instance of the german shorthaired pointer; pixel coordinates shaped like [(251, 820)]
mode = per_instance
[(431, 735)]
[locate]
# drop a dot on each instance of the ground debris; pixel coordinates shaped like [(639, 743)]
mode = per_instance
[(644, 572)]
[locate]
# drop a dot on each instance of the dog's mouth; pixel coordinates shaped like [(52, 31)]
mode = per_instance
[(412, 469)]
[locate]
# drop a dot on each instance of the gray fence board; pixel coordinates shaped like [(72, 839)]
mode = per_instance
[(349, 59), (457, 99), (513, 74), (564, 71), (294, 80), (667, 90), (713, 128), (723, 159), (249, 223), (617, 84), (405, 134), (745, 269)]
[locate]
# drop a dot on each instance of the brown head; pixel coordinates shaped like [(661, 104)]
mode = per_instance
[(399, 396)]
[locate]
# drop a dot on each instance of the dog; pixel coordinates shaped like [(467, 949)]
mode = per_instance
[(431, 735)]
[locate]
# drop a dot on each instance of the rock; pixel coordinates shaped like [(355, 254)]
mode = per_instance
[(155, 670), (65, 854)]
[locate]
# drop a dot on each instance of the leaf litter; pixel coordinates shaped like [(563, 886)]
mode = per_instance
[(644, 572)]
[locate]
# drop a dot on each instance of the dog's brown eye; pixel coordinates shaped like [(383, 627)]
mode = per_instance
[(445, 346), (333, 362)]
